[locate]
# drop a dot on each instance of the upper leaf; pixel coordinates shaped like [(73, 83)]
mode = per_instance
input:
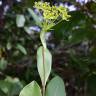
[(44, 62)]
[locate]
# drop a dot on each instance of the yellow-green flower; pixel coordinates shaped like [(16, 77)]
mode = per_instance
[(52, 12), (63, 12), (42, 6)]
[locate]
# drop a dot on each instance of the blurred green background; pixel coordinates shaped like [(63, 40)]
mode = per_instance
[(72, 43)]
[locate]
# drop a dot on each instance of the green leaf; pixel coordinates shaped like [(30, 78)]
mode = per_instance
[(27, 29), (64, 28), (21, 48), (44, 62), (14, 87), (56, 87), (3, 63), (34, 16), (2, 93), (10, 86), (8, 46), (81, 34), (31, 89), (20, 20), (5, 86)]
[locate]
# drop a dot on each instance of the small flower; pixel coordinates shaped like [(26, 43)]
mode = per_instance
[(51, 13), (63, 12), (42, 6)]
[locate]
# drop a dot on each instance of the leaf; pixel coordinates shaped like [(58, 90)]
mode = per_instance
[(44, 62), (10, 86), (28, 30), (2, 93), (8, 46), (3, 63), (81, 34), (56, 87), (21, 48), (64, 28), (34, 16), (5, 86), (31, 89), (20, 20), (15, 86)]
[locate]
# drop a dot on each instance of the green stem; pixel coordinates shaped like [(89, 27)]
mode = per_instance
[(43, 83), (58, 22), (43, 91), (43, 41), (42, 37)]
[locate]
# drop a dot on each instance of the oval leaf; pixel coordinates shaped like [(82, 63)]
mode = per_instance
[(21, 49), (20, 20), (34, 16), (31, 89), (3, 64), (44, 62), (56, 87)]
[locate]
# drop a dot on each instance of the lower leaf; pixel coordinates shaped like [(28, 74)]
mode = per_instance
[(56, 87), (31, 89)]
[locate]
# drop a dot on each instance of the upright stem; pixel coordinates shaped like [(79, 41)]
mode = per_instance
[(43, 41), (43, 91), (43, 83), (42, 37)]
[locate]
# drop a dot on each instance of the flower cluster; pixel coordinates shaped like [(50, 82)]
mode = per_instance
[(52, 12)]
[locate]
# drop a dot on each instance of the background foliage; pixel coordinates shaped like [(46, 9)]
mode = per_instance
[(73, 45)]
